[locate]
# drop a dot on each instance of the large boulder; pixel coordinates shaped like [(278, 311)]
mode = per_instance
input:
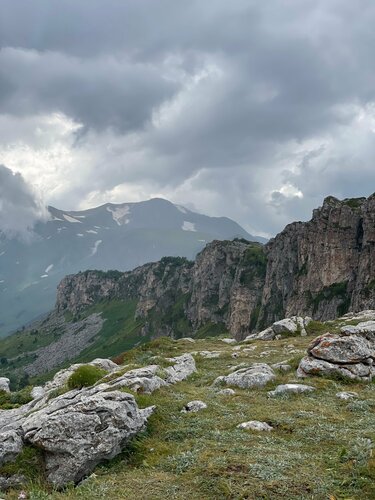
[(82, 428), (256, 375), (312, 366), (293, 326), (342, 349)]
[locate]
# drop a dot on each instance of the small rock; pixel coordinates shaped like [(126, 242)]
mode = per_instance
[(187, 339), (229, 341), (346, 395), (227, 392), (291, 389), (194, 406), (255, 425), (282, 366), (4, 384), (209, 354), (37, 392)]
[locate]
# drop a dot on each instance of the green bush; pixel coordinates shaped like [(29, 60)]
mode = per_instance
[(85, 376)]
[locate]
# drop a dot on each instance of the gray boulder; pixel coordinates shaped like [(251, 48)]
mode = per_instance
[(311, 366), (256, 375), (14, 481), (194, 406), (255, 425), (342, 349), (345, 396), (183, 367), (4, 384), (291, 389), (82, 428)]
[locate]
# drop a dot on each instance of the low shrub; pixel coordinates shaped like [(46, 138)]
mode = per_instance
[(85, 376)]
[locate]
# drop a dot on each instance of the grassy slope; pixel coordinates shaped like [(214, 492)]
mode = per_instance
[(315, 452)]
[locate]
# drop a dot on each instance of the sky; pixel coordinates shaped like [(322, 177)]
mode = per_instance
[(255, 110)]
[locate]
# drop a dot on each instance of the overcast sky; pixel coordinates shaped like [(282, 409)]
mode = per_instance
[(251, 109)]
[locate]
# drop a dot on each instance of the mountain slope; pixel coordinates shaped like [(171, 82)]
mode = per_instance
[(107, 237), (322, 268)]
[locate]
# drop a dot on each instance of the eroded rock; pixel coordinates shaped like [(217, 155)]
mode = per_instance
[(256, 375)]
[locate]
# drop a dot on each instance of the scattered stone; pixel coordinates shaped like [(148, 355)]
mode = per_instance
[(237, 348), (209, 354), (256, 375), (187, 339), (38, 392), (255, 425), (229, 341), (346, 395), (227, 392), (363, 328), (194, 406), (4, 384), (287, 326), (290, 389), (282, 366)]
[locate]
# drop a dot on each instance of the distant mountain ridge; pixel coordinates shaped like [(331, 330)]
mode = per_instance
[(111, 236)]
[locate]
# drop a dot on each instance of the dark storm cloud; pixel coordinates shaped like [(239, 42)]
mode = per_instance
[(223, 91), (19, 205)]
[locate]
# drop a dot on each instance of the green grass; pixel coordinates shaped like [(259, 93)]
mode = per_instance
[(319, 447)]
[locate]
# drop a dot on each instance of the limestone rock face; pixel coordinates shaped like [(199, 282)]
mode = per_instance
[(257, 375), (80, 429), (324, 267)]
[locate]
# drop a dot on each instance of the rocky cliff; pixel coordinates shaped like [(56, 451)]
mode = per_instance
[(322, 268)]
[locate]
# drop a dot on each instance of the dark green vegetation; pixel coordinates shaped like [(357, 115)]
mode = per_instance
[(254, 262), (335, 291), (319, 448), (14, 399), (85, 376)]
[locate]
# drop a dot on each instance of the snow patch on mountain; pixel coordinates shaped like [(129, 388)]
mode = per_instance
[(94, 249), (188, 226), (119, 214), (71, 219)]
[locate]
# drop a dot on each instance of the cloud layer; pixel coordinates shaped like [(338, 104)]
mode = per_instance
[(255, 110), (19, 205)]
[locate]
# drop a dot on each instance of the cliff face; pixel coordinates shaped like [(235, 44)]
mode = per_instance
[(322, 268)]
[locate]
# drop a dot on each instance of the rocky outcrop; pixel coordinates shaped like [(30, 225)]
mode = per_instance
[(285, 327), (324, 267), (78, 430), (349, 353), (81, 428)]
